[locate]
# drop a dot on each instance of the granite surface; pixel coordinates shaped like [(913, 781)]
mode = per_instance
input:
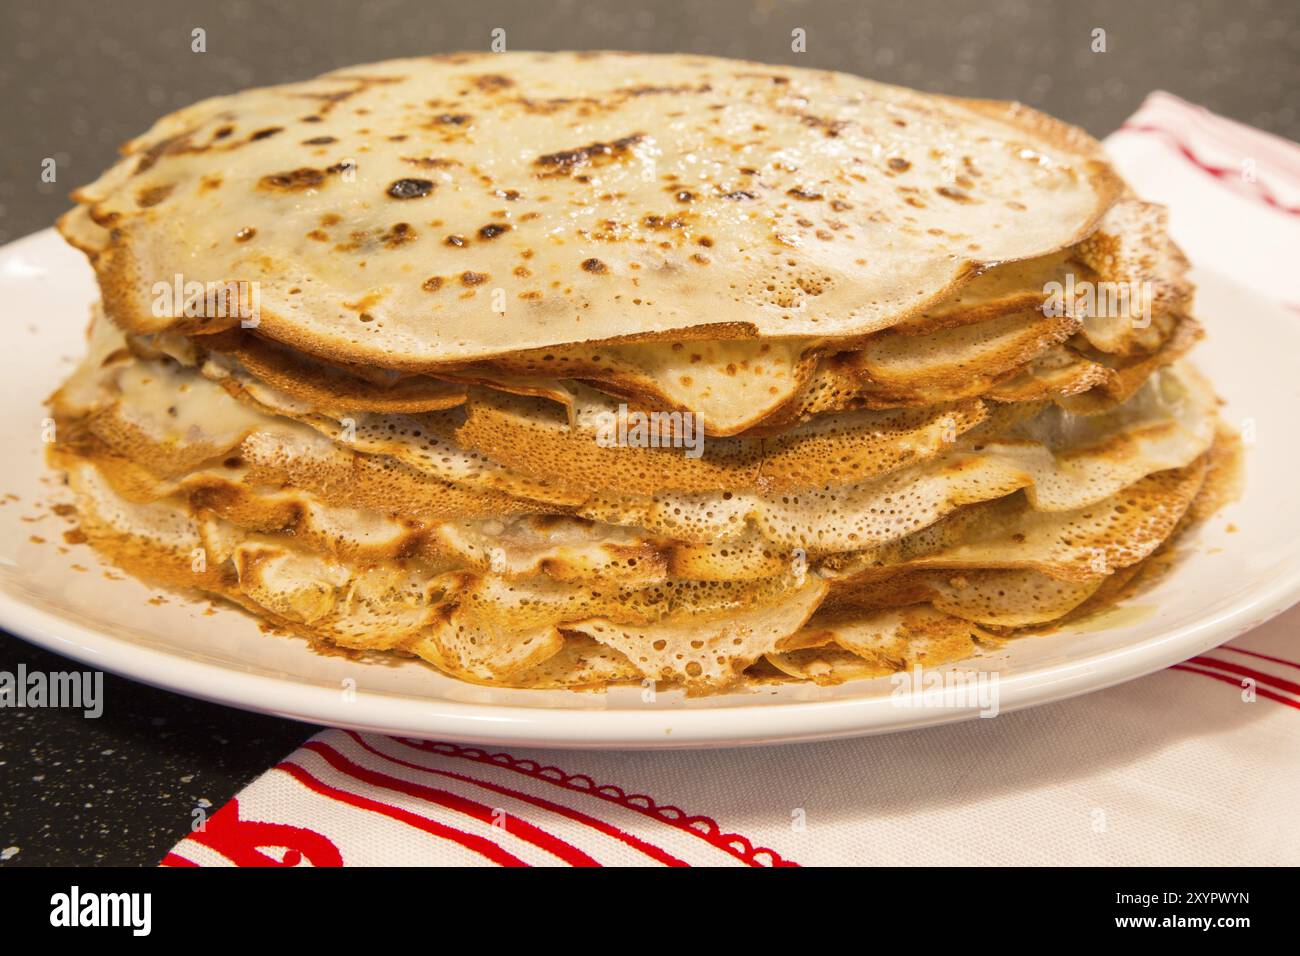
[(79, 76)]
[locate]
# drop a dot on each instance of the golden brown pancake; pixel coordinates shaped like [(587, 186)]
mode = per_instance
[(568, 370)]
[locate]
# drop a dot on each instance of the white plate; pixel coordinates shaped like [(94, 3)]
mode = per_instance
[(1228, 582)]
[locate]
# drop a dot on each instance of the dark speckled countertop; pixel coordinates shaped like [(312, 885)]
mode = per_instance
[(79, 76)]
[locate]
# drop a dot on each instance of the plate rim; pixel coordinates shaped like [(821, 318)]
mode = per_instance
[(578, 728)]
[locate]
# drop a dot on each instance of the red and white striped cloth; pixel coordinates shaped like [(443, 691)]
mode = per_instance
[(1184, 767)]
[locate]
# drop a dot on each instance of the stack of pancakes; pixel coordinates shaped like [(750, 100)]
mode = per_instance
[(563, 370)]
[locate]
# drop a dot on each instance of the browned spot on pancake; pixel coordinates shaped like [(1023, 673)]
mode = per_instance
[(365, 302), (331, 100), (153, 195), (265, 133), (319, 141), (798, 192), (293, 180), (473, 278), (594, 265), (430, 162), (656, 222), (565, 162), (830, 127), (164, 147), (651, 90), (432, 284), (248, 232), (898, 164), (492, 230), (957, 195), (410, 188), (775, 78), (458, 241), (399, 234), (489, 82), (553, 104)]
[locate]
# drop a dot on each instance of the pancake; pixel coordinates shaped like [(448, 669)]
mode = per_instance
[(160, 411), (1059, 460), (533, 438), (487, 628), (737, 384), (655, 194), (853, 644), (290, 554)]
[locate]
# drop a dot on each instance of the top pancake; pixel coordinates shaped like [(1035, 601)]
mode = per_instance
[(420, 213)]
